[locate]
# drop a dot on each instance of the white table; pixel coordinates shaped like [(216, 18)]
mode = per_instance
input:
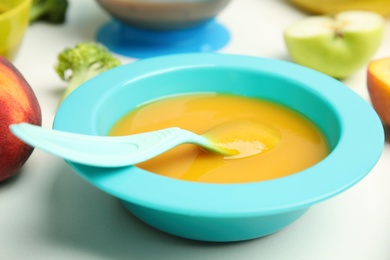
[(48, 212)]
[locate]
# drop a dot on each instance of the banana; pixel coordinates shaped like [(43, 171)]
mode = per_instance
[(320, 7)]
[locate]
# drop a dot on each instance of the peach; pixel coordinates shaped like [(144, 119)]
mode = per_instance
[(18, 103), (378, 85)]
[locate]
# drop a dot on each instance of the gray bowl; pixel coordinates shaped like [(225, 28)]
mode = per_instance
[(163, 14)]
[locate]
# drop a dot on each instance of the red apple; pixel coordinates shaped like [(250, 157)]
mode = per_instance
[(18, 103), (378, 84)]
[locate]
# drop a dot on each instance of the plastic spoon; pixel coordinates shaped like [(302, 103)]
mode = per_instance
[(116, 151), (108, 151)]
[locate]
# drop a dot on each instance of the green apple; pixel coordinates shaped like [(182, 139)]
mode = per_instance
[(336, 45)]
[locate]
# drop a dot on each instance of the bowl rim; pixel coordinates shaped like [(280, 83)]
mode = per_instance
[(294, 192)]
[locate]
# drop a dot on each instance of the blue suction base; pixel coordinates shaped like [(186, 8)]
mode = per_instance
[(140, 43)]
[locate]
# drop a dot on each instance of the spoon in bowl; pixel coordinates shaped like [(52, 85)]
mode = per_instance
[(117, 151)]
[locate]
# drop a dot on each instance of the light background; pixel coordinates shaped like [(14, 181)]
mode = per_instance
[(48, 212)]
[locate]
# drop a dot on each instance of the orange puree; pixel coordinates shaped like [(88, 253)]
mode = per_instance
[(289, 142)]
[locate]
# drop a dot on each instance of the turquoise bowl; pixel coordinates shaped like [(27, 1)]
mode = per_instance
[(226, 212)]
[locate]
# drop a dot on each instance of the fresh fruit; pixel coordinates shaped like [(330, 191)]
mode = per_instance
[(381, 7), (18, 103), (337, 45), (378, 84)]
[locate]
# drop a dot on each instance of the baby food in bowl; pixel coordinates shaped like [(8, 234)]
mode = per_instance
[(284, 141), (202, 92)]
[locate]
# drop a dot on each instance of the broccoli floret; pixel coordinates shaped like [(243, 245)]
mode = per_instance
[(51, 11), (82, 62)]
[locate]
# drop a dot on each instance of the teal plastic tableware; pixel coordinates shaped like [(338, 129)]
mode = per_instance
[(141, 43), (143, 29), (226, 212), (109, 151)]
